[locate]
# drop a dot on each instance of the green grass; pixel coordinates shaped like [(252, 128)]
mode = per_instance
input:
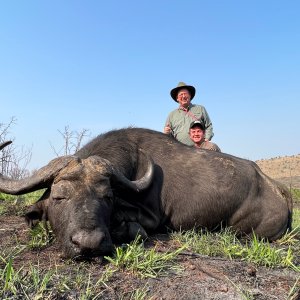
[(40, 236), (296, 218), (296, 210), (17, 205), (135, 258), (28, 199), (36, 282), (254, 250), (296, 194)]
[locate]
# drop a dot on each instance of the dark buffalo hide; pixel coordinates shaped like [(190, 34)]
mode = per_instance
[(137, 180)]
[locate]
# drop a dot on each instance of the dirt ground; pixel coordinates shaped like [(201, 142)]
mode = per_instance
[(201, 277)]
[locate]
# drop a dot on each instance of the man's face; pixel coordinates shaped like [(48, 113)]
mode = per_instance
[(196, 134), (184, 97)]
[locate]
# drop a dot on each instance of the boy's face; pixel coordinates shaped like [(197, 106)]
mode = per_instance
[(196, 134)]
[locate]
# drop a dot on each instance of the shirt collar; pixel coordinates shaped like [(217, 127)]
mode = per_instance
[(184, 109)]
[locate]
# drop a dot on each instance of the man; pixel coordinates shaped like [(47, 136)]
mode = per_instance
[(197, 135), (179, 120)]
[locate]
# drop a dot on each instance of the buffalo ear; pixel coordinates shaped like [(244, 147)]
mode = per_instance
[(34, 215), (38, 211)]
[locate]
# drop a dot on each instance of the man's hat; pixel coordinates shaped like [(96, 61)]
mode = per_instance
[(197, 123), (182, 85)]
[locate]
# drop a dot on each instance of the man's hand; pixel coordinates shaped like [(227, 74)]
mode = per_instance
[(167, 129)]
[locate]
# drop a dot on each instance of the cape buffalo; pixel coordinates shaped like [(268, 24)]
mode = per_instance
[(139, 180)]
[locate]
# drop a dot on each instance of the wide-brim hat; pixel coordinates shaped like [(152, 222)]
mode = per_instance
[(182, 85)]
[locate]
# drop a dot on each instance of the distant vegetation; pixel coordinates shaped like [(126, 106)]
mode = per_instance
[(281, 167), (13, 160)]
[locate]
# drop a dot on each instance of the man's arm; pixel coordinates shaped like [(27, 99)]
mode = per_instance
[(208, 125)]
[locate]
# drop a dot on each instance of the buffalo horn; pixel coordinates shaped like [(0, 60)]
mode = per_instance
[(42, 178), (4, 144), (142, 183)]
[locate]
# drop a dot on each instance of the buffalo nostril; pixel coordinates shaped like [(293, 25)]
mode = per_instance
[(88, 239), (75, 240)]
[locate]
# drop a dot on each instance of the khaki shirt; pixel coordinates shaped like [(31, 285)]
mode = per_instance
[(180, 121)]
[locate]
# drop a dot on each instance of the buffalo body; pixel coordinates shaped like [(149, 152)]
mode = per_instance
[(137, 180)]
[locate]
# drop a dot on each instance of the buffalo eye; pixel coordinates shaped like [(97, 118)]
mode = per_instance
[(57, 198)]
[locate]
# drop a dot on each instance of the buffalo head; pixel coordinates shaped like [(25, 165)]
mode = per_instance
[(78, 200)]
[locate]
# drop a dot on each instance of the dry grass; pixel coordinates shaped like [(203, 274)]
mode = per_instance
[(285, 169)]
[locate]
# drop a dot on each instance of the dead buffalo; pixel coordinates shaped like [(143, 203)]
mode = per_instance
[(139, 180)]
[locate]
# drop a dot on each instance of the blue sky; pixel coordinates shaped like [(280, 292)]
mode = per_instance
[(101, 65)]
